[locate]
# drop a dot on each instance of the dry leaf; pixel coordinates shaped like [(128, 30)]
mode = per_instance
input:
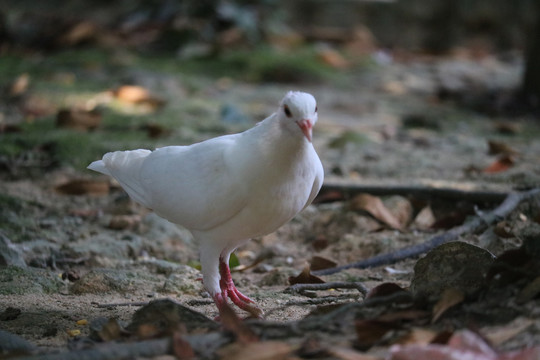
[(134, 94), (503, 229), (404, 315), (320, 263), (305, 277), (268, 350), (111, 331), (84, 187), (234, 324), (375, 207), (401, 208), (498, 335), (155, 131), (463, 345), (384, 289), (449, 298), (182, 349), (425, 219), (78, 119), (503, 163), (333, 58), (418, 336), (83, 31), (369, 332), (20, 85), (344, 353), (498, 148)]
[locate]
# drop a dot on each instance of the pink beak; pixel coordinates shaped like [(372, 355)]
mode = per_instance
[(306, 126)]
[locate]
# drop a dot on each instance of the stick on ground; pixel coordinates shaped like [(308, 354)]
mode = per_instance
[(504, 209)]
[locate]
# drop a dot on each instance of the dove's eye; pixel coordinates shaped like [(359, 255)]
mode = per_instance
[(316, 108), (287, 111)]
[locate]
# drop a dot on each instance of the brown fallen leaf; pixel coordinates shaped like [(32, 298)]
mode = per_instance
[(320, 263), (499, 147), (404, 315), (498, 335), (231, 322), (182, 349), (462, 345), (333, 58), (376, 208), (135, 94), (449, 298), (155, 131), (80, 32), (503, 229), (78, 119), (503, 163), (305, 277), (268, 350), (19, 85), (401, 208), (425, 219), (344, 353), (418, 336), (384, 289), (370, 332), (111, 330), (84, 187)]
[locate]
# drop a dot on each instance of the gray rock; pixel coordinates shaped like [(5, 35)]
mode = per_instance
[(456, 265), (9, 254)]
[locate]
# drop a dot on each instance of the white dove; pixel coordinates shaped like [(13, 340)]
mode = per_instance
[(228, 189)]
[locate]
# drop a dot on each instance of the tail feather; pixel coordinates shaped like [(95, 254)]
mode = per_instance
[(125, 167)]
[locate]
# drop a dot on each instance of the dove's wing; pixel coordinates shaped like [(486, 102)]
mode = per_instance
[(194, 185), (319, 178)]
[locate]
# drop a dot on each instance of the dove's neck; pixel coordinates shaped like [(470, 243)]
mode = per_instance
[(274, 145), (274, 131)]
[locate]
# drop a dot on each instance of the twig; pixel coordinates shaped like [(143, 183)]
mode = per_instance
[(505, 208), (322, 300), (300, 288), (111, 305), (351, 189)]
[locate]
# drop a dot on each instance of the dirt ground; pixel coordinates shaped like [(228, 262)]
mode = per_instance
[(389, 127)]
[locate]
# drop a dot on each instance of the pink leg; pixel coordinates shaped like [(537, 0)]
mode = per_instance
[(227, 284), (229, 290)]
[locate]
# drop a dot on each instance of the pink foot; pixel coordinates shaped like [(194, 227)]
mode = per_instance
[(229, 290)]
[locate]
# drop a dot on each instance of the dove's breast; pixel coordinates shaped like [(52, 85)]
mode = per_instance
[(277, 192)]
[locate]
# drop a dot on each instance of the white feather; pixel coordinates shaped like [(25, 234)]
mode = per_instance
[(228, 189)]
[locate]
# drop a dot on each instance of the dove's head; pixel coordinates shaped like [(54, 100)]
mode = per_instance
[(298, 111)]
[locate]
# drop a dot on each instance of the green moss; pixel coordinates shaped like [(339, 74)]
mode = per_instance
[(348, 137)]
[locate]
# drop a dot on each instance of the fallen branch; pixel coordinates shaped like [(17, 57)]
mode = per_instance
[(506, 207), (350, 189), (301, 288)]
